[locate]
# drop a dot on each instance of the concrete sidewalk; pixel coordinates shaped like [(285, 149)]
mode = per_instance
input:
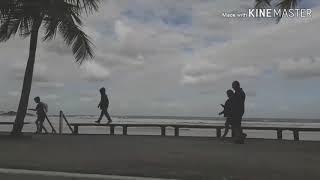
[(18, 174), (163, 157)]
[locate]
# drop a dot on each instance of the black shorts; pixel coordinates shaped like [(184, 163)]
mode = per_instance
[(41, 118)]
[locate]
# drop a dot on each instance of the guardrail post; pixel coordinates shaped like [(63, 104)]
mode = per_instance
[(233, 134), (176, 131), (111, 130), (218, 132), (163, 131), (279, 134), (125, 130), (60, 123), (296, 135), (76, 129)]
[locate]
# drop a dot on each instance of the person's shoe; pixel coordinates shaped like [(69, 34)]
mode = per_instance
[(97, 121), (239, 141), (109, 122), (244, 135)]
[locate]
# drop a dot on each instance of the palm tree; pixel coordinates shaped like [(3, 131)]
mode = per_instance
[(27, 17), (281, 4)]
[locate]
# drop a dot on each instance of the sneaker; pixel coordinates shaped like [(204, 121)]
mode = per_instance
[(97, 122)]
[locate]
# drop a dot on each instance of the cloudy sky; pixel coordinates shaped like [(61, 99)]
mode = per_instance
[(175, 57)]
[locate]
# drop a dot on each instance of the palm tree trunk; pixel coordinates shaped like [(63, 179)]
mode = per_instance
[(27, 82)]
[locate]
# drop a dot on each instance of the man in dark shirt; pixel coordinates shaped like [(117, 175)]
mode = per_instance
[(103, 105), (238, 108), (41, 110)]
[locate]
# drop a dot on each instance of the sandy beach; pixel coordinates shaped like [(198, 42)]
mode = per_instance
[(163, 157)]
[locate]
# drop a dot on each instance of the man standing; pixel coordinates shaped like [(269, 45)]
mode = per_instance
[(103, 105), (238, 108), (41, 110)]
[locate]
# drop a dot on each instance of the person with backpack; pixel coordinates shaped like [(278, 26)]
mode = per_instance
[(41, 109)]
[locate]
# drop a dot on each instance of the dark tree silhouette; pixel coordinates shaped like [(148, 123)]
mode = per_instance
[(26, 17)]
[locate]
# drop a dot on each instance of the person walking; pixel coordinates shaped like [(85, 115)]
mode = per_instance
[(103, 105)]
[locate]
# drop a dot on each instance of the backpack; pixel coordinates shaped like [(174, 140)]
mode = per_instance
[(45, 107)]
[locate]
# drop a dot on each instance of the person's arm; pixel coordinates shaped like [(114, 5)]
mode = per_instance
[(35, 109), (222, 112), (99, 105), (107, 101)]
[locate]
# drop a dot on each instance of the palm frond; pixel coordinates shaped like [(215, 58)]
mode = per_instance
[(89, 6), (286, 4), (61, 15), (261, 4), (9, 28), (82, 46), (50, 26)]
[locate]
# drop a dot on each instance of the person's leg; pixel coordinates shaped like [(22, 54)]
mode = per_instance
[(108, 116), (237, 130), (42, 118), (226, 129), (101, 115), (243, 135), (37, 125)]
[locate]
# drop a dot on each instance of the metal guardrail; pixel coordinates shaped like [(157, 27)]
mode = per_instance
[(62, 118), (53, 131), (177, 127)]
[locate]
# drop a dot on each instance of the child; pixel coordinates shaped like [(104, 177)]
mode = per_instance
[(227, 112)]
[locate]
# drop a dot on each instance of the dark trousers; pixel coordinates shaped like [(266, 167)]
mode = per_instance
[(104, 112), (227, 125), (39, 123), (236, 127)]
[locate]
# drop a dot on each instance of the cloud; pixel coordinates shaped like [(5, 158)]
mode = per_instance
[(94, 72), (250, 56), (87, 99), (39, 74), (49, 84), (212, 73), (300, 68), (185, 53), (51, 97), (14, 93)]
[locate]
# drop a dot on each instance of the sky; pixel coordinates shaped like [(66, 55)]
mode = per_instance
[(175, 58)]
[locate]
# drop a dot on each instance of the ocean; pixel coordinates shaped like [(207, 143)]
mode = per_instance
[(314, 136)]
